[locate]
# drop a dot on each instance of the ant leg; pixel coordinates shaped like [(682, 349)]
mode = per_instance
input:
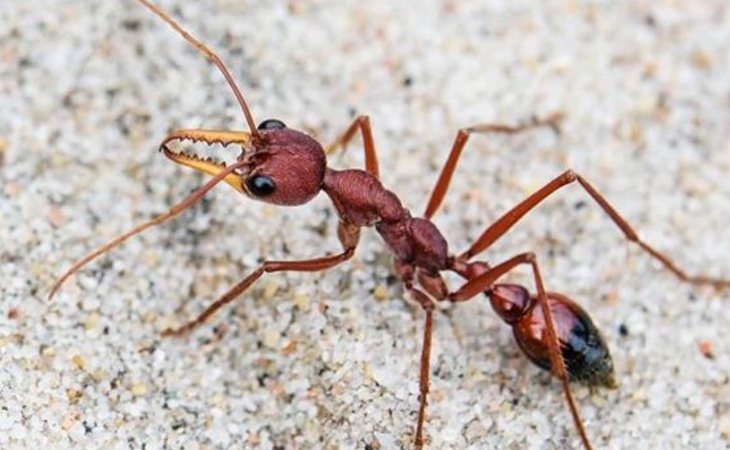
[(361, 123), (307, 265), (482, 282), (442, 185), (425, 370), (504, 223), (172, 212), (349, 236)]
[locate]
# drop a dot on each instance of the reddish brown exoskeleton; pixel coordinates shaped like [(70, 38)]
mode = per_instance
[(282, 166)]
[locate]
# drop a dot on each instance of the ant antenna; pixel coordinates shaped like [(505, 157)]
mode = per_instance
[(212, 57), (174, 211)]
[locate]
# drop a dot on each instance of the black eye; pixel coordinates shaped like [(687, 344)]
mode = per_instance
[(271, 124), (260, 185)]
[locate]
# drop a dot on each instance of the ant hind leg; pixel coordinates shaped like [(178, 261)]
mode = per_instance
[(484, 281)]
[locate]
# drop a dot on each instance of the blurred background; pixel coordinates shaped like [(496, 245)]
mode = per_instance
[(308, 361)]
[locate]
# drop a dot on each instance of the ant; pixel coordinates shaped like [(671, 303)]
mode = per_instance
[(282, 166)]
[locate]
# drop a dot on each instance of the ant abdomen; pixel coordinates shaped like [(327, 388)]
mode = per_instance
[(584, 351)]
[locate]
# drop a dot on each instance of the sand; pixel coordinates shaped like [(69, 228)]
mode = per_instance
[(330, 361)]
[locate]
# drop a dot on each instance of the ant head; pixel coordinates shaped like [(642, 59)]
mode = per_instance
[(286, 166), (278, 165)]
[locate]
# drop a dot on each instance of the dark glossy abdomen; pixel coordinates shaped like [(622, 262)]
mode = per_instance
[(585, 353)]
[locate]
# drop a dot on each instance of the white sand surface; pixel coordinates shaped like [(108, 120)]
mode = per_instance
[(330, 361)]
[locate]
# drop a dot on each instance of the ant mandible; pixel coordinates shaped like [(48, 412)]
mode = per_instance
[(282, 166)]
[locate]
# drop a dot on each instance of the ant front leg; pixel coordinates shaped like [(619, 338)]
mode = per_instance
[(349, 236), (504, 223), (442, 185), (361, 123), (485, 282)]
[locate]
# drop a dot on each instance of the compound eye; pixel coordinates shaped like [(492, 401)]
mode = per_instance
[(271, 124), (260, 185)]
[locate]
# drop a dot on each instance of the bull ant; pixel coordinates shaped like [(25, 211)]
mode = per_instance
[(282, 166)]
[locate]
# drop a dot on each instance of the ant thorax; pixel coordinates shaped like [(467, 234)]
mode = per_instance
[(361, 200)]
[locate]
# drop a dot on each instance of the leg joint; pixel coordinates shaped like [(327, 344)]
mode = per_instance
[(570, 175)]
